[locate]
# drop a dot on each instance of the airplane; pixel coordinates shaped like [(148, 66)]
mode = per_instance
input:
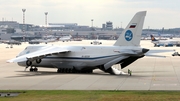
[(166, 43), (96, 42), (84, 59), (176, 54), (38, 41), (65, 38), (161, 37), (11, 42), (52, 40)]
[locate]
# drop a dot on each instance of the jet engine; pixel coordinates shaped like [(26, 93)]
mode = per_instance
[(38, 61), (28, 63)]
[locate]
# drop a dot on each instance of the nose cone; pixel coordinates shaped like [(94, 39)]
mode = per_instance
[(22, 64), (144, 50)]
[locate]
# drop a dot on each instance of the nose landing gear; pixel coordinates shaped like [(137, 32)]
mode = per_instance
[(26, 68)]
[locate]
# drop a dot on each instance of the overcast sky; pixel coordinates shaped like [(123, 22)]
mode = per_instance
[(160, 13)]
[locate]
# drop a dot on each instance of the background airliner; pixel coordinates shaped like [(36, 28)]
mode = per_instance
[(96, 42), (65, 38), (125, 51), (37, 41), (166, 43)]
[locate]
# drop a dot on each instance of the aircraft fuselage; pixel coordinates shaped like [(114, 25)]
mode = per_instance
[(82, 57)]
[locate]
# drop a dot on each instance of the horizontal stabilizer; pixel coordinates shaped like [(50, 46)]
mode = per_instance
[(153, 53), (159, 56)]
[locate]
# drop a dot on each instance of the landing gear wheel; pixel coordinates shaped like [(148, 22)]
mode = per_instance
[(58, 70), (31, 69), (64, 70), (35, 69)]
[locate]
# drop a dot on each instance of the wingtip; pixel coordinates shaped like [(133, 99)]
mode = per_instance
[(9, 61)]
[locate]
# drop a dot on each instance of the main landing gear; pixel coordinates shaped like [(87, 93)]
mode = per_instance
[(72, 70)]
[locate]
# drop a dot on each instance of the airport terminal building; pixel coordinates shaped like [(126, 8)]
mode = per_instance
[(13, 29)]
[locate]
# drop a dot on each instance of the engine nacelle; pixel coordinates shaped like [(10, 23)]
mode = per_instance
[(28, 63), (38, 61)]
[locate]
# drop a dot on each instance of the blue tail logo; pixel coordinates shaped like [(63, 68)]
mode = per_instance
[(128, 35)]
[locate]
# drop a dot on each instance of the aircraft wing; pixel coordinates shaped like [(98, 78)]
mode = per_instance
[(41, 53)]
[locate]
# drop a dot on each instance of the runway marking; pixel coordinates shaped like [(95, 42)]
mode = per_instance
[(153, 78), (165, 84), (158, 79)]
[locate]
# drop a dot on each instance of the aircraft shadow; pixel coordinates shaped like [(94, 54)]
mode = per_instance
[(46, 73)]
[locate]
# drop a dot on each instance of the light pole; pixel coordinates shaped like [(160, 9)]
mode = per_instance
[(92, 22), (24, 10), (23, 29), (148, 30), (121, 25), (46, 13)]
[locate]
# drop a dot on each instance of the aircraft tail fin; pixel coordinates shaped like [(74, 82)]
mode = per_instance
[(131, 35), (57, 39), (153, 38)]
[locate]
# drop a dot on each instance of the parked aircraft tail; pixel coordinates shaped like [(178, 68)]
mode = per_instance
[(57, 39), (153, 38), (131, 35)]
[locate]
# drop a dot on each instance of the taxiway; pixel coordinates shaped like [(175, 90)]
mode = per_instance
[(148, 73)]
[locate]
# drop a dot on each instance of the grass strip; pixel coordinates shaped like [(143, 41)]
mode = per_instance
[(92, 95)]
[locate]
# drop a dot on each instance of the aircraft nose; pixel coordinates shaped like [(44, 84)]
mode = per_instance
[(144, 50)]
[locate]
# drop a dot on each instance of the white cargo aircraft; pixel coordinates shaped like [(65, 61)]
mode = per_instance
[(96, 42), (87, 58), (37, 41), (65, 38)]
